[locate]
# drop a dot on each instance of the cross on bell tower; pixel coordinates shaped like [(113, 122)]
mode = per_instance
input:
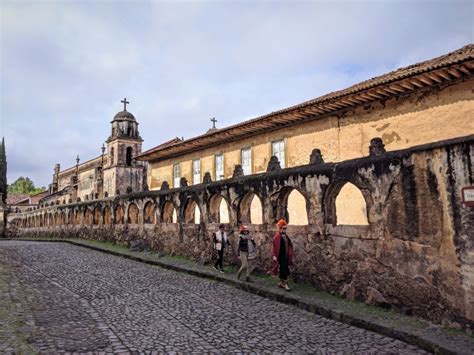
[(125, 102), (213, 120)]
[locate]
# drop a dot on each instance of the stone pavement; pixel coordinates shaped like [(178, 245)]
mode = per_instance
[(70, 299)]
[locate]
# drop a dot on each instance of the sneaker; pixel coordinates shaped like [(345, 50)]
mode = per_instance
[(215, 268), (221, 271), (285, 286), (281, 285)]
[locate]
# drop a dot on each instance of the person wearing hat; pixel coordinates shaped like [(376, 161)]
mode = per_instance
[(247, 253), (282, 254), (220, 241)]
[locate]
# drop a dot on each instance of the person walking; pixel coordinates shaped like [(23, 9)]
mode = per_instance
[(220, 242), (247, 253), (282, 254)]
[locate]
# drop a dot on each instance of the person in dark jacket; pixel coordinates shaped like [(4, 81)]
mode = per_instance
[(220, 242), (247, 253), (282, 254)]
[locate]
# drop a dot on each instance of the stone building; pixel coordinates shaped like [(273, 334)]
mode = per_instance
[(112, 173), (423, 103)]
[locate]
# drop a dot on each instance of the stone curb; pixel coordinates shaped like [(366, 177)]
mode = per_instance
[(430, 340)]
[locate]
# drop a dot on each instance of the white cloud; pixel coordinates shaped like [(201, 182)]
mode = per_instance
[(66, 65)]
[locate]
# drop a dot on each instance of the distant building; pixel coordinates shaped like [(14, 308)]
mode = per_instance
[(21, 202), (114, 172)]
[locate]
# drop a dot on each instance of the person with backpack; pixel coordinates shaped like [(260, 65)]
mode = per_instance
[(220, 242), (282, 254), (247, 253)]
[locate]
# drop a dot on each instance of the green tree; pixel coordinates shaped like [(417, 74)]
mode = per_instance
[(24, 186), (3, 171)]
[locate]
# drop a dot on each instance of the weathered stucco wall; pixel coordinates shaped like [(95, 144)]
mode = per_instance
[(416, 253)]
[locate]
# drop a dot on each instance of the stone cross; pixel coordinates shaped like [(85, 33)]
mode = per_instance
[(213, 120), (125, 102)]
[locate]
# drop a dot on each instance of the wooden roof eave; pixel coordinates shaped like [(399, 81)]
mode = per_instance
[(311, 110)]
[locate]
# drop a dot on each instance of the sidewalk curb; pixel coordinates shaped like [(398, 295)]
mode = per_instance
[(429, 342)]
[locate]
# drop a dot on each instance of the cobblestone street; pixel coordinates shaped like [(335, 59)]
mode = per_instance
[(61, 298)]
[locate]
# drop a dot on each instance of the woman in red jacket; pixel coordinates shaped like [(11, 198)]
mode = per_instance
[(282, 254)]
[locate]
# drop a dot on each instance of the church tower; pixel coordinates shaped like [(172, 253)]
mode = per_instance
[(122, 173)]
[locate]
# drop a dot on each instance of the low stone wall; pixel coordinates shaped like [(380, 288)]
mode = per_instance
[(416, 254)]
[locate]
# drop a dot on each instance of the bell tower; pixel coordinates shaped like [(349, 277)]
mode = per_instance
[(122, 173)]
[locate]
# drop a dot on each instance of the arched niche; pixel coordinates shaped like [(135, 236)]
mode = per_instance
[(79, 217), (219, 211), (250, 209), (192, 213), (297, 209), (70, 217), (96, 215), (119, 215), (87, 216), (132, 217), (107, 215), (351, 207), (169, 214), (149, 212)]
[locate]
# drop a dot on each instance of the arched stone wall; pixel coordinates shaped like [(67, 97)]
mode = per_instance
[(149, 213), (132, 215)]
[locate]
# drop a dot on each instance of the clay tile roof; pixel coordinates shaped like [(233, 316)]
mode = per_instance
[(365, 91), (16, 198), (163, 145)]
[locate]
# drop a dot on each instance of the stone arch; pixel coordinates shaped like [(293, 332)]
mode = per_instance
[(351, 207), (107, 216), (250, 209), (96, 216), (37, 221), (87, 216), (132, 214), (292, 205), (149, 211), (119, 214), (192, 212), (79, 216), (70, 217), (42, 220), (219, 209), (63, 218), (56, 219), (346, 203), (168, 214)]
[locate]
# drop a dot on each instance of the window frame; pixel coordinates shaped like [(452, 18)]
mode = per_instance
[(196, 175), (176, 180), (250, 168), (220, 176), (282, 161)]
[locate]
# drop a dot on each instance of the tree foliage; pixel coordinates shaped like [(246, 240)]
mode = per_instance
[(24, 186)]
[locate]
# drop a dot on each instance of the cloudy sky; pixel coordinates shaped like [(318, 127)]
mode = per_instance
[(65, 65)]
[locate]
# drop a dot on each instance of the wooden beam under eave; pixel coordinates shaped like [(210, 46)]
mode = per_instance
[(406, 85), (374, 95), (425, 80), (465, 70), (300, 115), (454, 72), (443, 74), (417, 83), (435, 77), (398, 88), (315, 110), (393, 92)]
